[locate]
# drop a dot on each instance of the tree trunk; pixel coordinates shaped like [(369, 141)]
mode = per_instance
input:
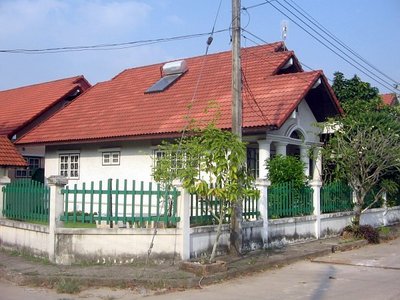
[(219, 232), (360, 196), (236, 229), (357, 216)]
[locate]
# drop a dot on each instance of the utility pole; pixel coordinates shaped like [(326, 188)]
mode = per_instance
[(236, 217), (236, 71)]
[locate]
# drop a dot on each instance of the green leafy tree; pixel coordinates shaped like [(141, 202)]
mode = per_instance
[(364, 148), (286, 169), (349, 90), (210, 163)]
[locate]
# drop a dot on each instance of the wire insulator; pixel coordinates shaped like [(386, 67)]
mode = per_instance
[(209, 40)]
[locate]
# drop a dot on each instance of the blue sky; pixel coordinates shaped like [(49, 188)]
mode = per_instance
[(369, 27)]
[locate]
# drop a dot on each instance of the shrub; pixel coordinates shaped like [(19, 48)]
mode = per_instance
[(68, 286), (366, 232), (283, 169)]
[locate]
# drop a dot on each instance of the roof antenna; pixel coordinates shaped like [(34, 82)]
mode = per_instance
[(284, 29)]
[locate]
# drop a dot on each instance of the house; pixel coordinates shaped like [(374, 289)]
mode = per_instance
[(9, 156), (390, 99), (25, 107), (112, 130)]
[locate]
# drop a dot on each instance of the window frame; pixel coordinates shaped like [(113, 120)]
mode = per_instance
[(31, 167), (68, 162), (111, 158), (253, 161)]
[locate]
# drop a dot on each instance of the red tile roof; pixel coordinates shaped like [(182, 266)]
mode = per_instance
[(119, 108), (389, 99), (20, 106), (9, 155)]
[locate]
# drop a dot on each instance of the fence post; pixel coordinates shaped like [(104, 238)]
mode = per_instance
[(262, 185), (184, 223), (316, 186), (385, 212), (4, 180), (56, 183)]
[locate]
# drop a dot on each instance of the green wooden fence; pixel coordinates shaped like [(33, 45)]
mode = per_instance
[(336, 197), (26, 200), (136, 205), (284, 200), (200, 210)]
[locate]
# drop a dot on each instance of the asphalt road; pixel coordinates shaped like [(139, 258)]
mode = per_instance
[(372, 272)]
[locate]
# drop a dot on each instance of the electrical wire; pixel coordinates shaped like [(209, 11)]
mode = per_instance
[(335, 38), (112, 46), (315, 24), (320, 40), (265, 42), (376, 78)]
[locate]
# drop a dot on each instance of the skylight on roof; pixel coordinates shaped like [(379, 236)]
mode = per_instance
[(171, 72)]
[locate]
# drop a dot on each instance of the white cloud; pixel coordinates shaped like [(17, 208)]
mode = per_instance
[(26, 23), (176, 20)]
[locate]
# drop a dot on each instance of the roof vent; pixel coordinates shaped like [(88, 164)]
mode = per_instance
[(171, 72)]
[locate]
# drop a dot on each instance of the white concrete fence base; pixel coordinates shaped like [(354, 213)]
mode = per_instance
[(127, 245)]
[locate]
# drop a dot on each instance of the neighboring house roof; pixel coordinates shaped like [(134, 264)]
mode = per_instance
[(389, 99), (29, 105), (9, 155), (120, 108)]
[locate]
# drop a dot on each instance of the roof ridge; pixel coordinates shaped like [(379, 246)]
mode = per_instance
[(77, 77), (278, 45)]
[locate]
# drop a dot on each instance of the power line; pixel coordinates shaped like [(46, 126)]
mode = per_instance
[(382, 81), (111, 46), (335, 38), (385, 84), (265, 42), (322, 39)]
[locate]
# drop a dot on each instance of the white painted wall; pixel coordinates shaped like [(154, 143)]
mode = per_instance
[(115, 245), (24, 236), (304, 120), (124, 245), (135, 162)]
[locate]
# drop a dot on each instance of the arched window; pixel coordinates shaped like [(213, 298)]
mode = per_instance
[(296, 134)]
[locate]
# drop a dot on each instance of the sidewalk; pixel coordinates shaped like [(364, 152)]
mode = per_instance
[(26, 270)]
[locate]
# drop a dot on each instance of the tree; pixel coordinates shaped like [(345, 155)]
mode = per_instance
[(365, 145), (210, 163), (349, 90)]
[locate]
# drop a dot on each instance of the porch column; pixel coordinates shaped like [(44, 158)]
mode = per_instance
[(56, 183), (317, 170), (305, 158), (264, 153), (316, 184), (4, 180), (281, 148)]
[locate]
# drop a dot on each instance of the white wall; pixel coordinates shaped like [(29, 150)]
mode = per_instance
[(115, 245), (135, 162), (304, 120), (24, 236)]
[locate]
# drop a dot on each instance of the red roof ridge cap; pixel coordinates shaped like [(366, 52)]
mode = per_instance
[(74, 78)]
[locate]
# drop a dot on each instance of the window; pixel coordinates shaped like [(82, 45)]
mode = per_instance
[(69, 165), (178, 159), (111, 158), (33, 165), (252, 162)]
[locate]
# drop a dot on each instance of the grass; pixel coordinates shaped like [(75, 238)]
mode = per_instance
[(68, 286), (26, 254), (79, 225)]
